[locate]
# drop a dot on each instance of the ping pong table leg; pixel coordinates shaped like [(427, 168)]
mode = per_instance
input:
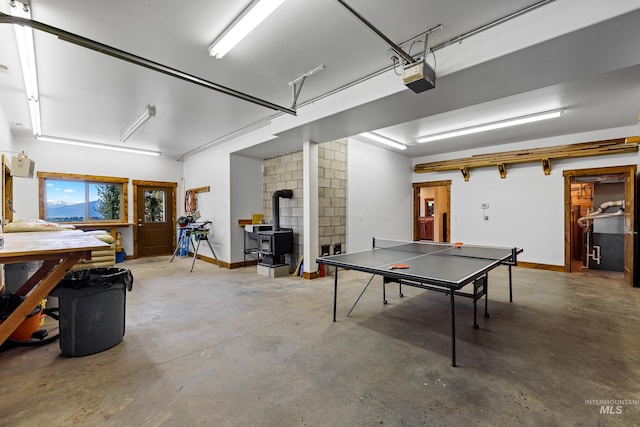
[(486, 296), (335, 292), (475, 306), (384, 291), (510, 289), (453, 329)]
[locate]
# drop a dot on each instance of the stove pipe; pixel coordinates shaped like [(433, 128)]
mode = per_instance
[(275, 206)]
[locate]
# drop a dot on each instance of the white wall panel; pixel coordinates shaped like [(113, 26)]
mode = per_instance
[(379, 195)]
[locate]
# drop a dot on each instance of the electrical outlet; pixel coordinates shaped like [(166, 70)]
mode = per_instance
[(484, 206)]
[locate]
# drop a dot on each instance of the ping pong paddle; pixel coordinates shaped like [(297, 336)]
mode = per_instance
[(398, 266)]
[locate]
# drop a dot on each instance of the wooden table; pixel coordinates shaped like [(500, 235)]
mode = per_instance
[(59, 251)]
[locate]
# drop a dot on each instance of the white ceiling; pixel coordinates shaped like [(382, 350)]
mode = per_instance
[(586, 61)]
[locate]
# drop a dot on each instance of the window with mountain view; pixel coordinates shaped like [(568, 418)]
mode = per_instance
[(66, 198)]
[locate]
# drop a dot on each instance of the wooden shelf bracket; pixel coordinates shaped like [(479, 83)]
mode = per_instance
[(503, 170), (200, 189), (465, 173)]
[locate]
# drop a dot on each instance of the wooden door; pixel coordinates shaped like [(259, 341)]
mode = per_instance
[(629, 213), (155, 220), (442, 206), (7, 193), (629, 225)]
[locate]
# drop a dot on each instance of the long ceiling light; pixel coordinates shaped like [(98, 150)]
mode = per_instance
[(383, 140), (149, 113), (95, 145), (26, 52), (544, 115), (249, 19)]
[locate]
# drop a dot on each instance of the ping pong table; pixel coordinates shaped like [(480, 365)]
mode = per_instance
[(440, 267)]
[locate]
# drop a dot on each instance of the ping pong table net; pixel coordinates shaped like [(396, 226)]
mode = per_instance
[(445, 249), (408, 246)]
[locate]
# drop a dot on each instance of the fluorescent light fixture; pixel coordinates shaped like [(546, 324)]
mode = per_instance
[(26, 52), (383, 140), (95, 145), (34, 112), (493, 125), (149, 113), (249, 19)]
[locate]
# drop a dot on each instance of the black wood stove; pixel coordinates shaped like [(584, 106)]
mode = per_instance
[(274, 244)]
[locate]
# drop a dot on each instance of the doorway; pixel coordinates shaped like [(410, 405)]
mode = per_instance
[(600, 220), (431, 206), (154, 231), (7, 193)]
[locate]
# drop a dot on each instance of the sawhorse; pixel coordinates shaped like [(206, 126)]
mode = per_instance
[(185, 240), (199, 234), (202, 235)]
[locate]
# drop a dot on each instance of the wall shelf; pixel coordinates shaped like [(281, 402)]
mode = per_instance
[(543, 155)]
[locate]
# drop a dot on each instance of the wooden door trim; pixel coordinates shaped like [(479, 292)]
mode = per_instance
[(416, 204), (7, 193), (140, 183), (630, 172)]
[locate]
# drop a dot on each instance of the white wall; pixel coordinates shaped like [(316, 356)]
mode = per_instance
[(50, 157), (246, 198), (6, 139), (379, 195), (526, 209), (212, 167)]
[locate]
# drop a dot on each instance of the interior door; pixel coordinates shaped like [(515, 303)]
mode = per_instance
[(7, 193), (629, 226), (441, 191), (154, 220)]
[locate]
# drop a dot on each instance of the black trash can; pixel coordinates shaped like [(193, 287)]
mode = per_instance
[(92, 309)]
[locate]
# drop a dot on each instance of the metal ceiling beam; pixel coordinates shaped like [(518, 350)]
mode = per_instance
[(397, 49), (455, 40), (138, 60)]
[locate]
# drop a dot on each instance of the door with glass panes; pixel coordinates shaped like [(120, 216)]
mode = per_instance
[(154, 220)]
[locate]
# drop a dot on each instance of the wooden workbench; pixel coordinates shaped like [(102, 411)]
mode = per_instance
[(59, 251)]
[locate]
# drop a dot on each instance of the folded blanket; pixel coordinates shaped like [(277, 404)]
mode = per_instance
[(101, 235), (103, 253), (31, 225)]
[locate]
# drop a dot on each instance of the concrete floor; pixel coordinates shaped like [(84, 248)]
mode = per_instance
[(230, 348)]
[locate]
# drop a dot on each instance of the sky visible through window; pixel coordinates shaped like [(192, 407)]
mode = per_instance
[(70, 192)]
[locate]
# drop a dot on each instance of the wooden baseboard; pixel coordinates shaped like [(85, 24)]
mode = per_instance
[(315, 274), (211, 260), (310, 276), (538, 266), (242, 264)]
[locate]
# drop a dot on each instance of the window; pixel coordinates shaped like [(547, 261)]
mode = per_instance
[(81, 199), (154, 206)]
